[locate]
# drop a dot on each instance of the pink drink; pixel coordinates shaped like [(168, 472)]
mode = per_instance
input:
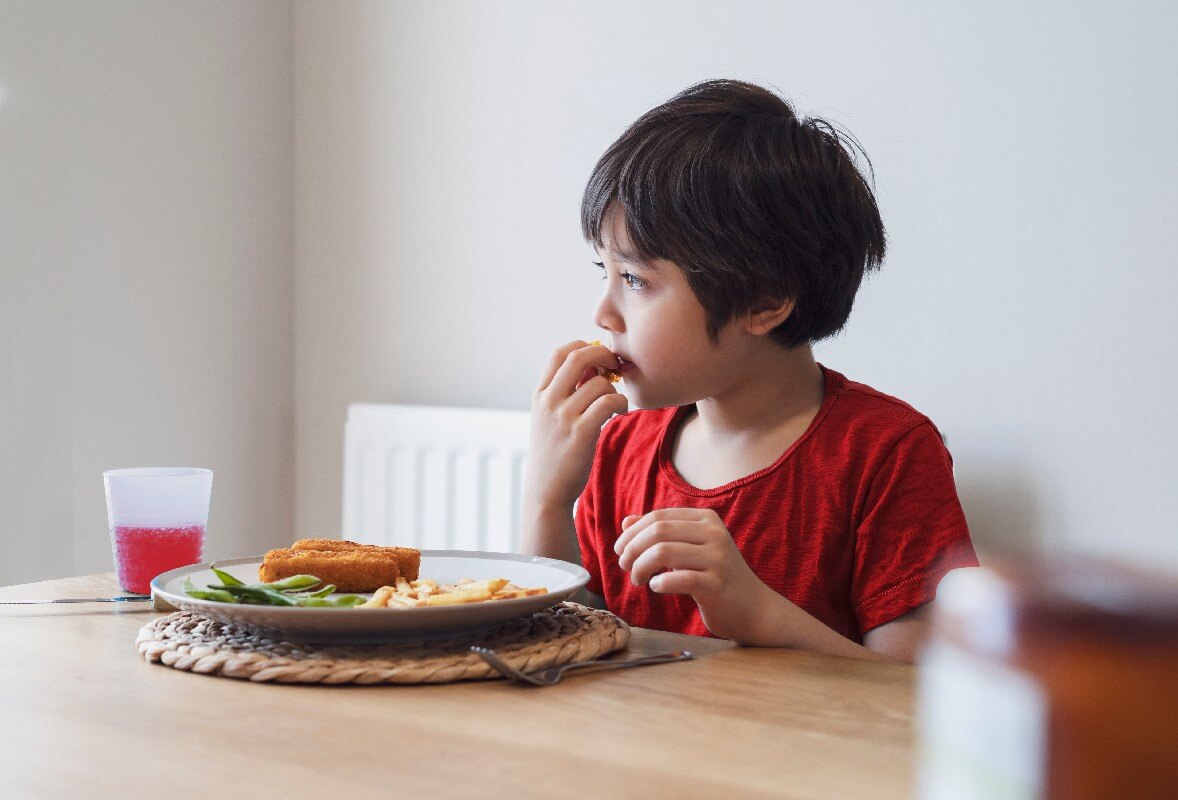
[(142, 553)]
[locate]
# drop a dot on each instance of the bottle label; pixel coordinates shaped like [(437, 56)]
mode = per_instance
[(981, 728)]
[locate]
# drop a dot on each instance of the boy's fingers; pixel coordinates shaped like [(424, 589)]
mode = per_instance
[(604, 407), (589, 392), (630, 530), (685, 581), (665, 556), (632, 525), (653, 536), (558, 357), (565, 381), (681, 513)]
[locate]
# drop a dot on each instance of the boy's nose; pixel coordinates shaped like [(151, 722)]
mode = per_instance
[(606, 317)]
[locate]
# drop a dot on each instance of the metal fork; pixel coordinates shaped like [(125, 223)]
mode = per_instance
[(547, 677)]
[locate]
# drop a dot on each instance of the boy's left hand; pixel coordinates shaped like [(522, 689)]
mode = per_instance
[(689, 551)]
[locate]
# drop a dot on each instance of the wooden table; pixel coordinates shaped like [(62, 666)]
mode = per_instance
[(85, 715)]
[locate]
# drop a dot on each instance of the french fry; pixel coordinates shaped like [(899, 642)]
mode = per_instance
[(379, 599), (458, 597), (513, 594), (418, 593)]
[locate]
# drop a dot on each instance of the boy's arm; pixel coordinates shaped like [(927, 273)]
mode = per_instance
[(903, 637), (549, 532), (568, 411), (780, 623), (776, 622), (552, 534), (689, 551)]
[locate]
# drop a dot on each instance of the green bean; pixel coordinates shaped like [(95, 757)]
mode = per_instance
[(283, 592), (258, 595), (226, 578), (349, 600), (219, 595), (294, 582), (343, 601), (324, 592)]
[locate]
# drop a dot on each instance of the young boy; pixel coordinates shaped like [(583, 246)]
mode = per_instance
[(759, 497)]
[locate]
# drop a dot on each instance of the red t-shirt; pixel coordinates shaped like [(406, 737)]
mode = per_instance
[(855, 523)]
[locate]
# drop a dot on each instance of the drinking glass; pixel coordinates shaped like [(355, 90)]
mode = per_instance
[(157, 520)]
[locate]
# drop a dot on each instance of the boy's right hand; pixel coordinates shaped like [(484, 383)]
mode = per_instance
[(569, 407)]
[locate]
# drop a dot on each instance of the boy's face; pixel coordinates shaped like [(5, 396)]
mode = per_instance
[(658, 327)]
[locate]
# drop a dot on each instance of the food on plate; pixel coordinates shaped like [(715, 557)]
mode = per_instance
[(350, 571), (408, 559), (350, 566), (312, 571), (614, 375), (295, 590), (419, 593)]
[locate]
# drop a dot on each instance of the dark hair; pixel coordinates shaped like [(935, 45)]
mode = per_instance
[(750, 201)]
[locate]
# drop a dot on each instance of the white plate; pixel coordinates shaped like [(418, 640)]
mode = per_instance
[(374, 625)]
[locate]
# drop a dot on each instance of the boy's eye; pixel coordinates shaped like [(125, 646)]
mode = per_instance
[(633, 281)]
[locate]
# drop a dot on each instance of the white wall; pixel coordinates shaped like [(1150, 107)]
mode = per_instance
[(1024, 166), (164, 164), (146, 177)]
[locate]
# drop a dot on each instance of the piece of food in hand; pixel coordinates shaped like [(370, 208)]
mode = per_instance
[(408, 559), (613, 374), (359, 570)]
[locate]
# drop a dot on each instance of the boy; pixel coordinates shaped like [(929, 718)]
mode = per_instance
[(759, 497)]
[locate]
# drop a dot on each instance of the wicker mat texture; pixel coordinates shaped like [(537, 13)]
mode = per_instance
[(559, 635)]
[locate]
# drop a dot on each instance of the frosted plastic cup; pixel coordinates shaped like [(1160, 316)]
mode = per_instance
[(157, 520)]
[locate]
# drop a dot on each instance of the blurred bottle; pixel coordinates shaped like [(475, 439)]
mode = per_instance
[(1050, 680)]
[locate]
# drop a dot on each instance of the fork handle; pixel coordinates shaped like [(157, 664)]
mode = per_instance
[(678, 655)]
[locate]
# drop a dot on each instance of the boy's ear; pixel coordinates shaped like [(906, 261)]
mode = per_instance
[(767, 315)]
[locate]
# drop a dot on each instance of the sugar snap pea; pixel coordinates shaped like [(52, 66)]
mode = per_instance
[(260, 595), (219, 595), (293, 591), (294, 582), (343, 601), (324, 592), (226, 578)]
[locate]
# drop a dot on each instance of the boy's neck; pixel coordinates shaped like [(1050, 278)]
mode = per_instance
[(774, 388)]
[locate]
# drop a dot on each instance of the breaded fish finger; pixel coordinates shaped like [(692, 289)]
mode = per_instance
[(408, 559), (350, 571)]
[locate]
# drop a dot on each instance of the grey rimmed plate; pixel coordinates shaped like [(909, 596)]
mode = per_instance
[(376, 625)]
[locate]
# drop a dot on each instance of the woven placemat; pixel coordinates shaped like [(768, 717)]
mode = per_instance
[(559, 635)]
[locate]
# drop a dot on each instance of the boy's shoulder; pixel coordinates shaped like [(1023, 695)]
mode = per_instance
[(857, 406)]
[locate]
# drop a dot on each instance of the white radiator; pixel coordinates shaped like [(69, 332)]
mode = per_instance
[(434, 478)]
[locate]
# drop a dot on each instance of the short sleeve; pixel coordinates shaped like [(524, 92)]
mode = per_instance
[(911, 530)]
